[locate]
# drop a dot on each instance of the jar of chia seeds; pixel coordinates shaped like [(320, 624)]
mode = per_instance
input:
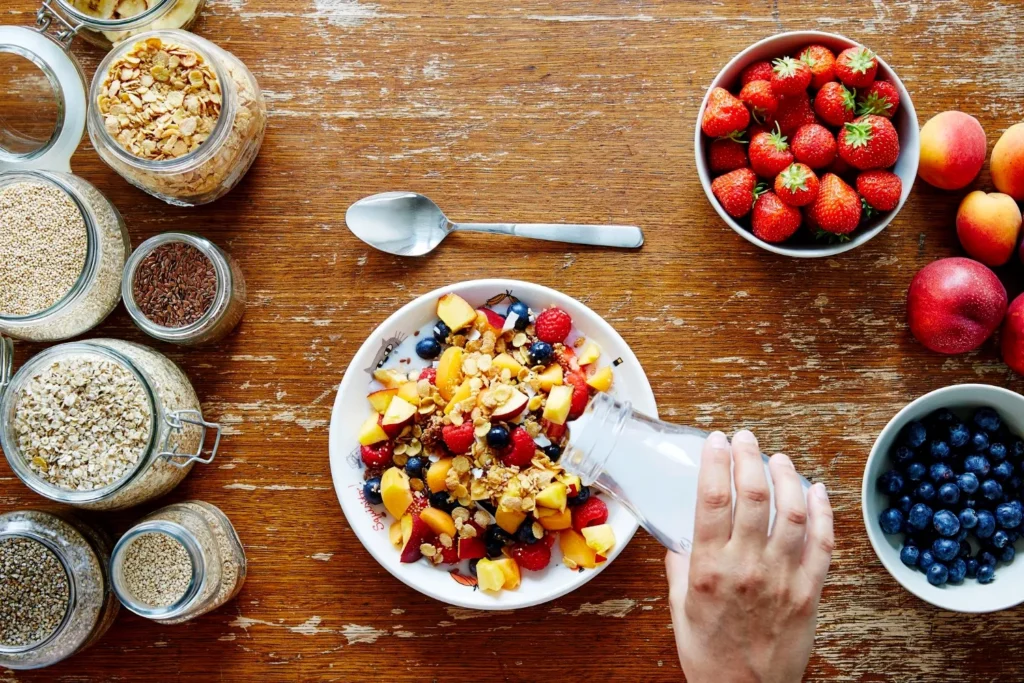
[(102, 424), (55, 596), (180, 562), (183, 289)]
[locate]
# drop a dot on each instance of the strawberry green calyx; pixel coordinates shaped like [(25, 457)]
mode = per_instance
[(867, 211), (807, 59), (830, 237), (849, 98), (760, 189), (861, 61), (873, 104), (735, 136), (794, 178), (859, 133), (785, 66), (778, 140)]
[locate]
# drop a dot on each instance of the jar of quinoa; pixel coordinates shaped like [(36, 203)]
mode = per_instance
[(102, 424), (55, 596), (176, 116)]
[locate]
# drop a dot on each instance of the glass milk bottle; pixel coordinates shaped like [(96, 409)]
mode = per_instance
[(648, 465)]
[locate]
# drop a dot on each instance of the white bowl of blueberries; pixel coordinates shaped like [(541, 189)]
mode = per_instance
[(942, 497)]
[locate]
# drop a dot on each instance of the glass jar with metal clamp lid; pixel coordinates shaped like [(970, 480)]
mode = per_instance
[(106, 22), (102, 424)]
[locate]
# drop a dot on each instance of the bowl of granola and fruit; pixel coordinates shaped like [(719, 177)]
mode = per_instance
[(446, 438)]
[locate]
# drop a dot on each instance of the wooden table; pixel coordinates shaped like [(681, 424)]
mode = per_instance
[(575, 110)]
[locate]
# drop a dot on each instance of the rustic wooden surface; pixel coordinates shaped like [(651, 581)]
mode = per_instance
[(575, 110)]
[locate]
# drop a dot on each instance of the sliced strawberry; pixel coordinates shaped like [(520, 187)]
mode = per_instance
[(566, 357), (378, 455), (421, 533), (472, 548), (458, 439), (553, 431), (533, 557), (580, 394), (591, 513), (449, 555), (429, 374), (419, 503)]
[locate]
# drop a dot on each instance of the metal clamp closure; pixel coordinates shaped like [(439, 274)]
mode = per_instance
[(177, 421), (45, 17), (6, 362)]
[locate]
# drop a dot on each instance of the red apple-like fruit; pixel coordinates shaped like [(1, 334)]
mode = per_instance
[(1007, 164), (988, 225), (954, 305), (952, 150), (1013, 336)]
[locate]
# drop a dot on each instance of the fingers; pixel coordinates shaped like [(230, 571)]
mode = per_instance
[(790, 529), (820, 535), (677, 570), (750, 526), (713, 520)]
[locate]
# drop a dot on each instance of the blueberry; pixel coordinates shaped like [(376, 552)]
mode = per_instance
[(371, 491), (979, 441), (959, 435), (968, 518), (904, 503), (915, 434), (1014, 484), (524, 534), (1008, 515), (986, 524), (891, 521), (553, 451), (442, 501), (1017, 449), (998, 451), (940, 450), (903, 454), (942, 416), (972, 568), (938, 574), (987, 419), (498, 437), (1014, 535), (495, 540), (441, 332), (1009, 552), (977, 465), (910, 554), (428, 348), (414, 466), (945, 549), (890, 483), (926, 560), (540, 352), (522, 312), (925, 491), (968, 482), (985, 557), (916, 471), (472, 566), (1000, 540), (1002, 471), (940, 473), (945, 522), (920, 517), (581, 497), (991, 489), (986, 573), (957, 570), (949, 493)]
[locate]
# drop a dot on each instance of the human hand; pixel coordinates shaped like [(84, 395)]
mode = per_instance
[(745, 603)]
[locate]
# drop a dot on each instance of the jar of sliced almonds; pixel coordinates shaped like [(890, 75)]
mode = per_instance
[(176, 116), (107, 22)]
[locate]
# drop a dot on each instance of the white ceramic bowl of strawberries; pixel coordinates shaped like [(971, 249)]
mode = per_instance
[(798, 197)]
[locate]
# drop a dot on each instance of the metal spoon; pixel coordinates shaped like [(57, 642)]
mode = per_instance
[(409, 224)]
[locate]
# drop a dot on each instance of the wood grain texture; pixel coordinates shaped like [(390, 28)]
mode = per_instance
[(574, 110)]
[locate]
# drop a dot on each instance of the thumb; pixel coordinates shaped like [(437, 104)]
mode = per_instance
[(677, 570)]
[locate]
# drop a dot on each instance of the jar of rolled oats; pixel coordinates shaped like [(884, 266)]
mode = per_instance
[(107, 22), (101, 424), (176, 116)]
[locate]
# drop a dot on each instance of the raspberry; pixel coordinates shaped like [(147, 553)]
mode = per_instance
[(553, 325), (533, 557), (591, 513), (458, 439), (378, 455), (520, 452), (580, 394), (429, 374)]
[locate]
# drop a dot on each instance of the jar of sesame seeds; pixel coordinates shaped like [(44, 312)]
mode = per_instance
[(178, 563), (102, 424)]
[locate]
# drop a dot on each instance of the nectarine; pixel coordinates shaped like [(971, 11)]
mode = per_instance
[(953, 150), (988, 226), (1007, 164), (1013, 336)]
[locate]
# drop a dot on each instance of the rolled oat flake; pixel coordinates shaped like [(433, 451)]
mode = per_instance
[(175, 285), (34, 592)]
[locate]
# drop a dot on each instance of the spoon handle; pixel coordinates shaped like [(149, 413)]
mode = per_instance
[(622, 236)]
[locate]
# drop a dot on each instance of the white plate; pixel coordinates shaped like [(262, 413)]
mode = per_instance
[(351, 408)]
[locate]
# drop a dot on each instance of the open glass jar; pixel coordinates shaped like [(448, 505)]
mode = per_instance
[(57, 599), (101, 424), (106, 22)]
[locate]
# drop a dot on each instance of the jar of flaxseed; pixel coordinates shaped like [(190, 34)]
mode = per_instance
[(178, 563)]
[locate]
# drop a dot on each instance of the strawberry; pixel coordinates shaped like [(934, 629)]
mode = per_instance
[(566, 357), (881, 98), (459, 439), (856, 67), (758, 71), (419, 504), (553, 325), (796, 185), (821, 62), (773, 220), (835, 104), (532, 557), (880, 189), (814, 145), (869, 142), (837, 207), (840, 167), (519, 453), (790, 76), (378, 455), (735, 191), (472, 548), (429, 374), (580, 393), (727, 154), (724, 115), (769, 154), (793, 112), (591, 513), (760, 99)]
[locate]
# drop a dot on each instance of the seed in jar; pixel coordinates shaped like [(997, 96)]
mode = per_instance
[(83, 422), (43, 243), (160, 100), (34, 591), (157, 569), (175, 285)]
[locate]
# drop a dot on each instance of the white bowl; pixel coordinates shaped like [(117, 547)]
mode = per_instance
[(351, 409), (905, 122), (971, 596)]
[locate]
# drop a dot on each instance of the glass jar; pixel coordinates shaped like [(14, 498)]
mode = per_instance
[(215, 558), (104, 32), (80, 555), (214, 167), (648, 465), (224, 313), (98, 288), (167, 431)]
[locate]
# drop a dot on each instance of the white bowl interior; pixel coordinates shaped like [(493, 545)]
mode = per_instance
[(371, 524), (905, 122), (1008, 588)]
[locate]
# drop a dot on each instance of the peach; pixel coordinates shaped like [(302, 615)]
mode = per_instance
[(1013, 336), (952, 150), (988, 225), (1007, 163), (954, 305)]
